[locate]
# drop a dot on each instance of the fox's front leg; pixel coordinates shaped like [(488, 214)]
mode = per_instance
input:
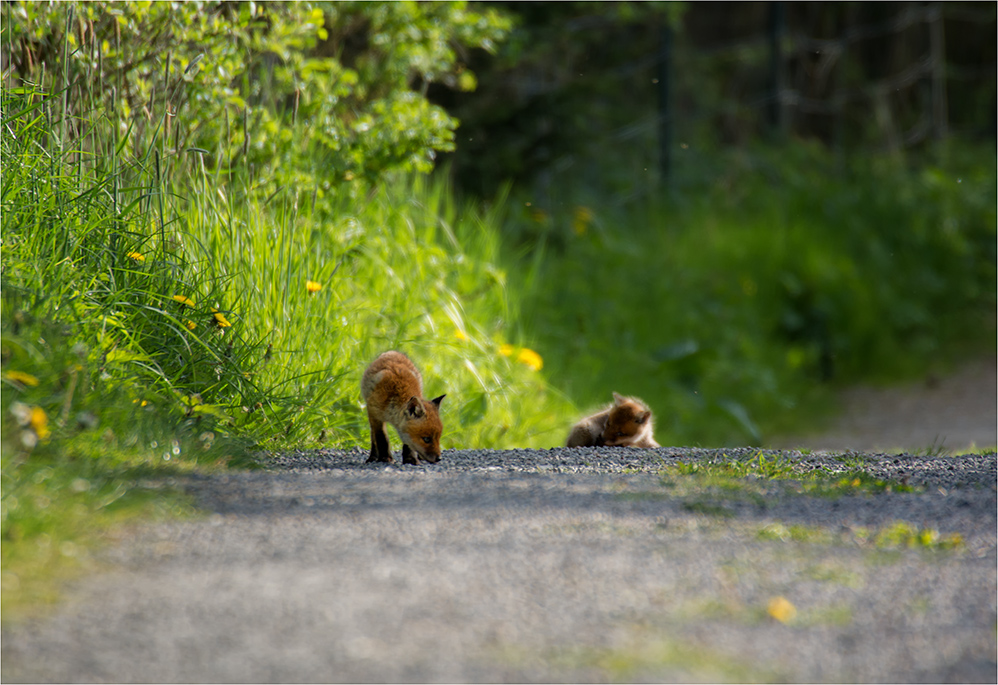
[(407, 455), (380, 449)]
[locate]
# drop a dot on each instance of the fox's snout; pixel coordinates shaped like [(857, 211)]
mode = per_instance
[(430, 453)]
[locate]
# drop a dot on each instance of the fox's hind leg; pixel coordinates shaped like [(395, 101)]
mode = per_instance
[(380, 449)]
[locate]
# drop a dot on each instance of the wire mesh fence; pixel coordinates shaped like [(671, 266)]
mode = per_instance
[(866, 77), (883, 76)]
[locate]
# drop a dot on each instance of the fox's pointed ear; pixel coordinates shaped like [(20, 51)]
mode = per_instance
[(642, 417), (438, 400), (618, 399), (414, 407)]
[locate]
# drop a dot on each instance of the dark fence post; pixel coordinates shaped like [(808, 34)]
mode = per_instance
[(937, 47), (777, 29), (664, 107)]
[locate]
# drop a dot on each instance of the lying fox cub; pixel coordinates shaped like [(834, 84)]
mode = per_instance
[(393, 391), (625, 423)]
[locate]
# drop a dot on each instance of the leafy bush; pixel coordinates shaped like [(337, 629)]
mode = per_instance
[(310, 95)]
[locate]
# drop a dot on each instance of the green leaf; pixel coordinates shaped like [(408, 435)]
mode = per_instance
[(120, 356), (210, 410), (474, 410), (741, 416)]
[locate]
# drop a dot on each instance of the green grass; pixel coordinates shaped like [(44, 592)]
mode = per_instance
[(411, 271), (756, 478), (715, 609), (155, 314), (736, 304), (904, 534), (894, 536), (831, 572), (57, 509), (710, 488), (190, 295), (795, 533), (702, 506), (643, 657)]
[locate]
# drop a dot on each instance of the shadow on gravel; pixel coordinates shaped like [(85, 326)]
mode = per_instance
[(954, 495)]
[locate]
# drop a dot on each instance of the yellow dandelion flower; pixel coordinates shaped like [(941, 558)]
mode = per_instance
[(184, 300), (461, 335), (581, 218), (531, 359), (22, 377), (524, 356), (312, 286), (39, 422), (539, 216), (220, 318), (928, 537), (190, 325), (137, 256), (781, 609)]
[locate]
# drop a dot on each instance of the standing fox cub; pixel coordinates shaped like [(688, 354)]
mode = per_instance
[(393, 391), (625, 423)]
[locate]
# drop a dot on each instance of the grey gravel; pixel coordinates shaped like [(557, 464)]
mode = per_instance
[(539, 565)]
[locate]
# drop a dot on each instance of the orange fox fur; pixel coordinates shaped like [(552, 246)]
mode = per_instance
[(625, 423), (393, 391)]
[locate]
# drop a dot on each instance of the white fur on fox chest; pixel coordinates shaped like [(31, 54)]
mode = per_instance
[(643, 438)]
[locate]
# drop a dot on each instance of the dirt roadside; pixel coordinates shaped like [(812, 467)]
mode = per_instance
[(937, 415)]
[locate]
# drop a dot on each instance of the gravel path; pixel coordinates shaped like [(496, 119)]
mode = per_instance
[(543, 565)]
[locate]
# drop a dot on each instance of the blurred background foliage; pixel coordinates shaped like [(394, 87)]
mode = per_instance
[(215, 214), (788, 196), (577, 88)]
